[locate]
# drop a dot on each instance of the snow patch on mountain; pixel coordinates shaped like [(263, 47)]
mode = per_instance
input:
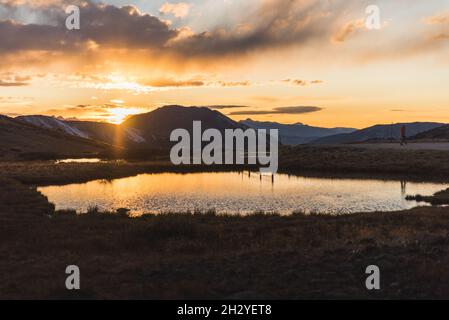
[(53, 124), (134, 135)]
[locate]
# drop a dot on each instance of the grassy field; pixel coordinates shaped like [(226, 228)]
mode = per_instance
[(208, 256), (335, 160), (428, 165)]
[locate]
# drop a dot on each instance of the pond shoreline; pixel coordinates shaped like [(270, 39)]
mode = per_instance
[(205, 256), (241, 193)]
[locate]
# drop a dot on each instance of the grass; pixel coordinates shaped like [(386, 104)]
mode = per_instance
[(205, 255), (341, 160), (439, 198), (347, 162)]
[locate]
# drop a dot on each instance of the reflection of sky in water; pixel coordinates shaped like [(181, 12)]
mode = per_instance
[(233, 192), (82, 160)]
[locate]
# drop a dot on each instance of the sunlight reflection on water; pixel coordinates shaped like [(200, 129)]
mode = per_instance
[(233, 192), (82, 160)]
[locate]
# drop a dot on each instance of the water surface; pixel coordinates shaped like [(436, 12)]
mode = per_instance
[(79, 160), (234, 192)]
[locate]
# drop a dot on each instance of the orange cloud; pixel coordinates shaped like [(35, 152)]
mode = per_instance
[(179, 10), (346, 30), (438, 19)]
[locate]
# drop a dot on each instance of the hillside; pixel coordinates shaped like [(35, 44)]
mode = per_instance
[(146, 130), (20, 139), (379, 132), (108, 132), (298, 133), (155, 127), (100, 131), (440, 133)]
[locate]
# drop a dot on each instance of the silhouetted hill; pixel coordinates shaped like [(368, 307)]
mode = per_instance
[(298, 133), (147, 130), (440, 133), (379, 132), (19, 139), (100, 131), (156, 126), (109, 133)]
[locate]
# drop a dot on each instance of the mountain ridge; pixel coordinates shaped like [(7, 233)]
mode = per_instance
[(379, 132), (297, 133)]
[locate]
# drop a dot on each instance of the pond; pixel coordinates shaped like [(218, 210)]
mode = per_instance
[(237, 193)]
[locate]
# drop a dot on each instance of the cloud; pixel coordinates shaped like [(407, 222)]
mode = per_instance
[(12, 84), (129, 32), (103, 26), (437, 19), (300, 82), (11, 80), (168, 82), (124, 36), (278, 110), (179, 10), (346, 30), (274, 24), (234, 83)]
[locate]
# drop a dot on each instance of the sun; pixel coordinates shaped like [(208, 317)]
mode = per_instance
[(119, 114)]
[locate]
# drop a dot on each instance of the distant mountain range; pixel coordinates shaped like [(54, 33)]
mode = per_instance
[(30, 134), (298, 133), (379, 132)]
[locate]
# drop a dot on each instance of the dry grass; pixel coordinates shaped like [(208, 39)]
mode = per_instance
[(208, 256), (439, 198), (421, 164)]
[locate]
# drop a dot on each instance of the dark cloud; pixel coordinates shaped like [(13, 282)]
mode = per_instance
[(276, 23), (270, 25), (104, 25), (278, 110)]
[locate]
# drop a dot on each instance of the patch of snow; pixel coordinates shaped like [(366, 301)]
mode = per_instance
[(134, 135), (53, 124)]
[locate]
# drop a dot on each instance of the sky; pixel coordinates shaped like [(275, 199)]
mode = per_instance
[(291, 61)]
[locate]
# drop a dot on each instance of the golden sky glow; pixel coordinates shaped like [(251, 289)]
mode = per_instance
[(253, 56)]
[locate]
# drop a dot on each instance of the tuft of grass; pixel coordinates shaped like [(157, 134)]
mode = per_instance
[(439, 198)]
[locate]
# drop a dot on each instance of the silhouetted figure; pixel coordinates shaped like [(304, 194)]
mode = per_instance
[(403, 136)]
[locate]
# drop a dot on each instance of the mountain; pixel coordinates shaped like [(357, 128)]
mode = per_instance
[(156, 126), (20, 139), (109, 133), (294, 134), (439, 133), (379, 132), (53, 124), (105, 132), (146, 130)]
